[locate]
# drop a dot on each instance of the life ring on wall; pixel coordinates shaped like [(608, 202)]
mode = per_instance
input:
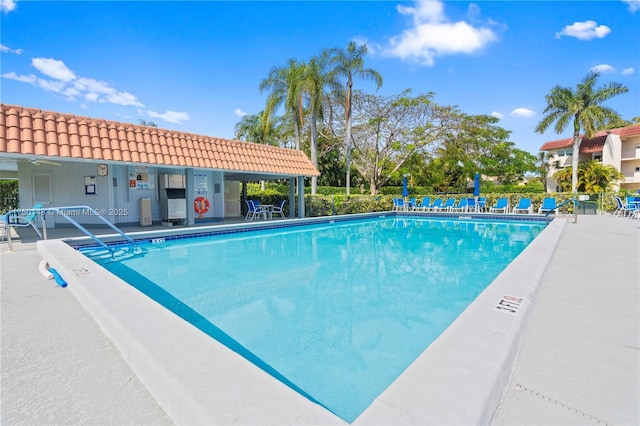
[(201, 205)]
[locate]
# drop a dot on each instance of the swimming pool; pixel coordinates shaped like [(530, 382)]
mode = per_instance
[(337, 310)]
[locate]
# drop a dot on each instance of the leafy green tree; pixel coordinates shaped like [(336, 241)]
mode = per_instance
[(349, 64), (387, 131), (584, 107), (285, 86)]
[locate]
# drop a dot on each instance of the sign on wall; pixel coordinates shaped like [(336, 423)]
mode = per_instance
[(201, 183)]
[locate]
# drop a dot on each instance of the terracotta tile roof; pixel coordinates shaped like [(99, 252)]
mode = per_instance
[(31, 131), (592, 144)]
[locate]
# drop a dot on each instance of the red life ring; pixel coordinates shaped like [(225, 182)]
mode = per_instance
[(201, 205)]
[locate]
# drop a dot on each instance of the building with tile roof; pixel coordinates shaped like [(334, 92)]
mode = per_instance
[(55, 157), (619, 148)]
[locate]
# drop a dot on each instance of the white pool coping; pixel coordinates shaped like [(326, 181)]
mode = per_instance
[(459, 379)]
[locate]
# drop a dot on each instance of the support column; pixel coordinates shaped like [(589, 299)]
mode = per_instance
[(292, 198), (300, 196), (190, 194)]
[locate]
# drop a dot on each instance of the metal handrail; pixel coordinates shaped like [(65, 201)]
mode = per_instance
[(61, 211), (575, 209)]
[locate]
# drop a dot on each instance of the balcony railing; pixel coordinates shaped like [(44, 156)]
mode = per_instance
[(630, 155)]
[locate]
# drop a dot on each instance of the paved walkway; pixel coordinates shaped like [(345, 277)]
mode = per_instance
[(579, 364)]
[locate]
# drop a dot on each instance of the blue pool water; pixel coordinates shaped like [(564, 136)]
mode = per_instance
[(336, 311)]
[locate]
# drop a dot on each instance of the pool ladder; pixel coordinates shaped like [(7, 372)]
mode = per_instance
[(61, 211)]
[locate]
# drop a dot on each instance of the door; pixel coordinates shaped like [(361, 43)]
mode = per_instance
[(43, 193)]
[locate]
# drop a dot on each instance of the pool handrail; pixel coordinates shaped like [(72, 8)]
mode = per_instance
[(61, 211), (570, 200)]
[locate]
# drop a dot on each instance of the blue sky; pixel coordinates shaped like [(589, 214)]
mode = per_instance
[(196, 66)]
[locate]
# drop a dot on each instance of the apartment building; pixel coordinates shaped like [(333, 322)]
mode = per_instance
[(617, 147)]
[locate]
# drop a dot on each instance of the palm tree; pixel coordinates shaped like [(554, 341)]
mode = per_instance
[(285, 86), (584, 107), (316, 79), (593, 177), (348, 64), (252, 129)]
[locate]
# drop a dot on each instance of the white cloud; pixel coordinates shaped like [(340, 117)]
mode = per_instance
[(497, 115), (603, 68), (171, 116), (91, 97), (522, 112), (7, 5), (586, 30), (432, 35), (239, 112), (66, 83), (628, 71), (7, 49), (30, 79), (53, 68), (634, 5)]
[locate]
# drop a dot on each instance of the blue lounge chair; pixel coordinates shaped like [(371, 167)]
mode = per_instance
[(23, 218), (523, 206), (472, 206), (549, 205), (446, 206), (461, 206), (398, 204), (501, 205), (424, 204), (436, 204)]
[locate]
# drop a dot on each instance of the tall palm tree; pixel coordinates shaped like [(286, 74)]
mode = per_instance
[(285, 88), (349, 64), (317, 78), (583, 107)]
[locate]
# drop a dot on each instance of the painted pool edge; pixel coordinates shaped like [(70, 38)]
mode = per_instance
[(230, 390)]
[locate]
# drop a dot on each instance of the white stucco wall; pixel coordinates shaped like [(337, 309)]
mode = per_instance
[(115, 197)]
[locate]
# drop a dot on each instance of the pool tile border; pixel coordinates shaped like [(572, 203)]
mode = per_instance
[(185, 233)]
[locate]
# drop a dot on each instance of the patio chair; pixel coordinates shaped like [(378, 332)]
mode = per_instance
[(482, 204), (412, 204), (20, 219), (254, 210), (461, 206), (501, 205), (621, 209), (523, 206), (279, 209), (446, 206), (548, 206), (632, 206)]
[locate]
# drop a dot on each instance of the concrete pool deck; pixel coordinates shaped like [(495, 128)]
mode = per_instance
[(578, 364)]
